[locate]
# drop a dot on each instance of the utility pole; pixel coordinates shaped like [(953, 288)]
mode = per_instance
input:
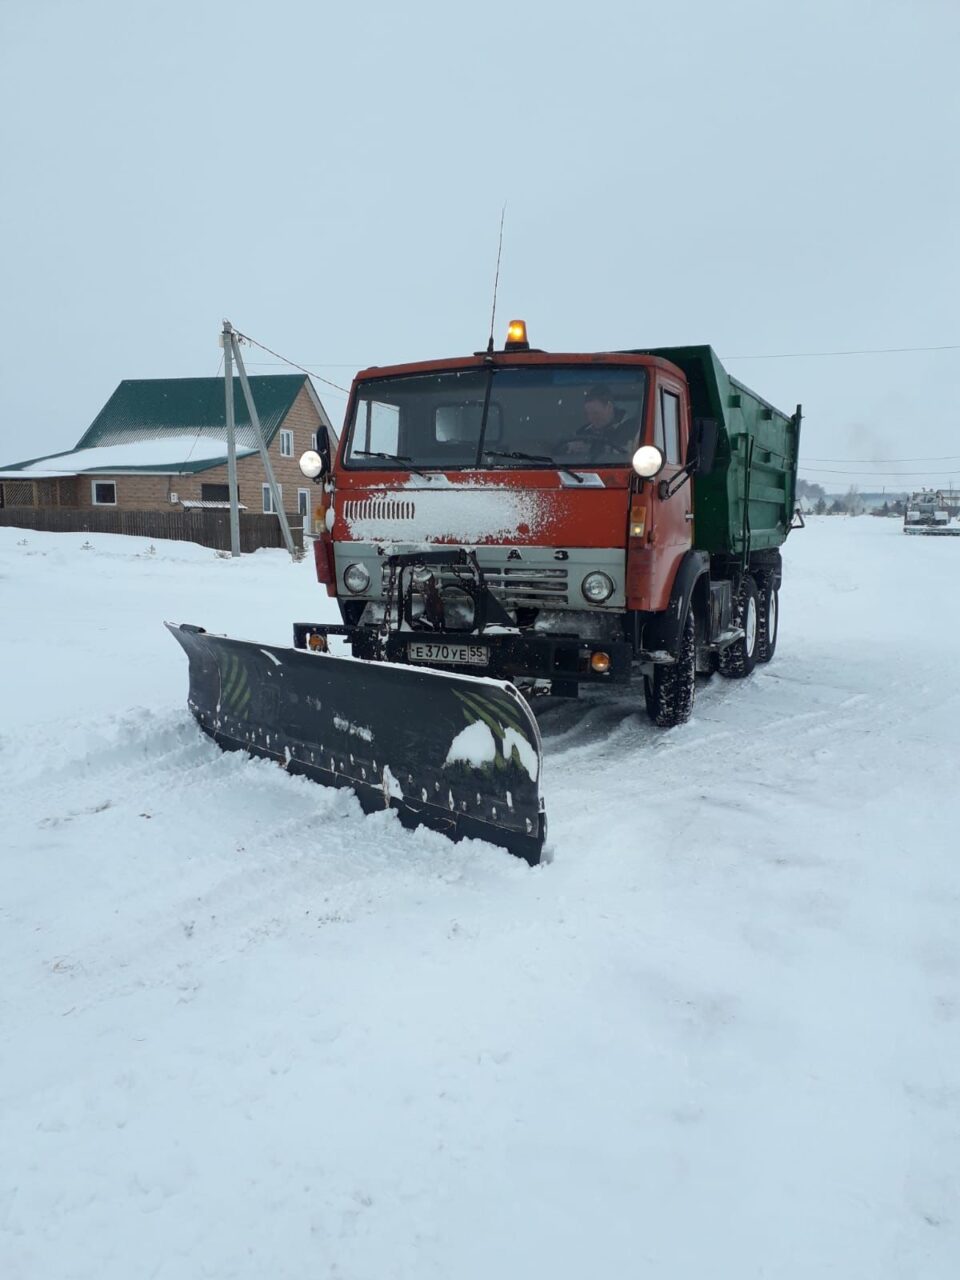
[(231, 336), (226, 341)]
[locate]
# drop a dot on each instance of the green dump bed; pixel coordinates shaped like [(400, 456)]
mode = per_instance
[(747, 502)]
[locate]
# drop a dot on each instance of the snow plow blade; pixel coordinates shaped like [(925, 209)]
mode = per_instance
[(460, 754)]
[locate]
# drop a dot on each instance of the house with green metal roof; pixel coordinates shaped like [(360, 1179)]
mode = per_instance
[(159, 444)]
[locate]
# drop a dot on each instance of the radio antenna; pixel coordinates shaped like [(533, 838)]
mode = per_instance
[(496, 281)]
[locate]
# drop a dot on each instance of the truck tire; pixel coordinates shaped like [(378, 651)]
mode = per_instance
[(669, 692), (738, 659), (768, 620)]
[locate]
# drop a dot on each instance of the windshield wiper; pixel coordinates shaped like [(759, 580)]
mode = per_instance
[(532, 457), (372, 453), (390, 457)]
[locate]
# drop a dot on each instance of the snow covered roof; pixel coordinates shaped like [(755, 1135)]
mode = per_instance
[(149, 408), (180, 421), (169, 455)]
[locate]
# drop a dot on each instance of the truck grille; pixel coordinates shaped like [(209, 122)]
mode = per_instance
[(520, 585), (528, 586)]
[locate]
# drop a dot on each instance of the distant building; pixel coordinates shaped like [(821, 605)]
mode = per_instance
[(160, 445)]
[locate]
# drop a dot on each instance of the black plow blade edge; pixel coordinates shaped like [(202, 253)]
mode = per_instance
[(459, 754)]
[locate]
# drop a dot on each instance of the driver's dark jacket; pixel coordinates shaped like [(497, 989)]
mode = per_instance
[(615, 436)]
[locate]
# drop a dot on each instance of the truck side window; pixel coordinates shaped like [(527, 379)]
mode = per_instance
[(670, 417), (379, 426)]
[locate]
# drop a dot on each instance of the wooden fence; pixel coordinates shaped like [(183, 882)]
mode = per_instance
[(208, 528)]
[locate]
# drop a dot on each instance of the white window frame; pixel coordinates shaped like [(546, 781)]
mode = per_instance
[(304, 508), (286, 444), (268, 508), (93, 492)]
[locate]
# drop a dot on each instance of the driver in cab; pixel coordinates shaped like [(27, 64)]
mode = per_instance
[(607, 432)]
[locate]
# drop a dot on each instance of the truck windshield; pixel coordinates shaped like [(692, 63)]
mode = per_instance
[(569, 415)]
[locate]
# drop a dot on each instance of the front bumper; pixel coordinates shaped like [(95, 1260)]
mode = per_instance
[(513, 655)]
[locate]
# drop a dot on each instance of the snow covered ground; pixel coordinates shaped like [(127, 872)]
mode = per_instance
[(247, 1032)]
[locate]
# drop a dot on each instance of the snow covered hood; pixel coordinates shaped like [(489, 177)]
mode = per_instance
[(468, 512)]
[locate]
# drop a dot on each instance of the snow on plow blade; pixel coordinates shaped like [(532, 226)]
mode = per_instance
[(460, 754)]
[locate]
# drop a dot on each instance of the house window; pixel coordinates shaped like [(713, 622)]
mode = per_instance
[(216, 493), (303, 501), (286, 444), (104, 493), (268, 506)]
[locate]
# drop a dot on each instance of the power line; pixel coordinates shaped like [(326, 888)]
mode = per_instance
[(293, 364), (196, 438), (874, 475), (767, 355), (325, 364), (866, 351), (783, 355), (882, 462)]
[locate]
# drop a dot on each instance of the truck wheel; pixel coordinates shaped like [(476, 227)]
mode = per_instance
[(668, 693), (768, 620), (739, 659)]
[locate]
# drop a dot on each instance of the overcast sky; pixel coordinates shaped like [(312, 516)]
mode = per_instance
[(767, 176)]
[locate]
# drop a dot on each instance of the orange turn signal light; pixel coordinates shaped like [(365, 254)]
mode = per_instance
[(600, 662), (317, 642)]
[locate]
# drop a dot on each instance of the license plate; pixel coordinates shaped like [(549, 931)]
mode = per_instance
[(464, 655)]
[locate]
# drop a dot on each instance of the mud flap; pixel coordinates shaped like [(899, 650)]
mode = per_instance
[(460, 754)]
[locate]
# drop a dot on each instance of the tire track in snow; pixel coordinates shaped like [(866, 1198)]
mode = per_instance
[(737, 726)]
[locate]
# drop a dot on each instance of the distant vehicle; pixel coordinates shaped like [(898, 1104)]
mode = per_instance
[(930, 512)]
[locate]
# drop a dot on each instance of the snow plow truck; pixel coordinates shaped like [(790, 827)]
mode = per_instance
[(504, 525)]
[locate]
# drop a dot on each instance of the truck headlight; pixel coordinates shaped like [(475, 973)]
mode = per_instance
[(597, 587), (647, 461), (356, 578), (311, 464)]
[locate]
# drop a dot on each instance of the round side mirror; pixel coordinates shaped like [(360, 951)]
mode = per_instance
[(647, 461), (311, 464)]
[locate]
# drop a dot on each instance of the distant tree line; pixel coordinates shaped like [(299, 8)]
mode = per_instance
[(851, 503), (894, 508)]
